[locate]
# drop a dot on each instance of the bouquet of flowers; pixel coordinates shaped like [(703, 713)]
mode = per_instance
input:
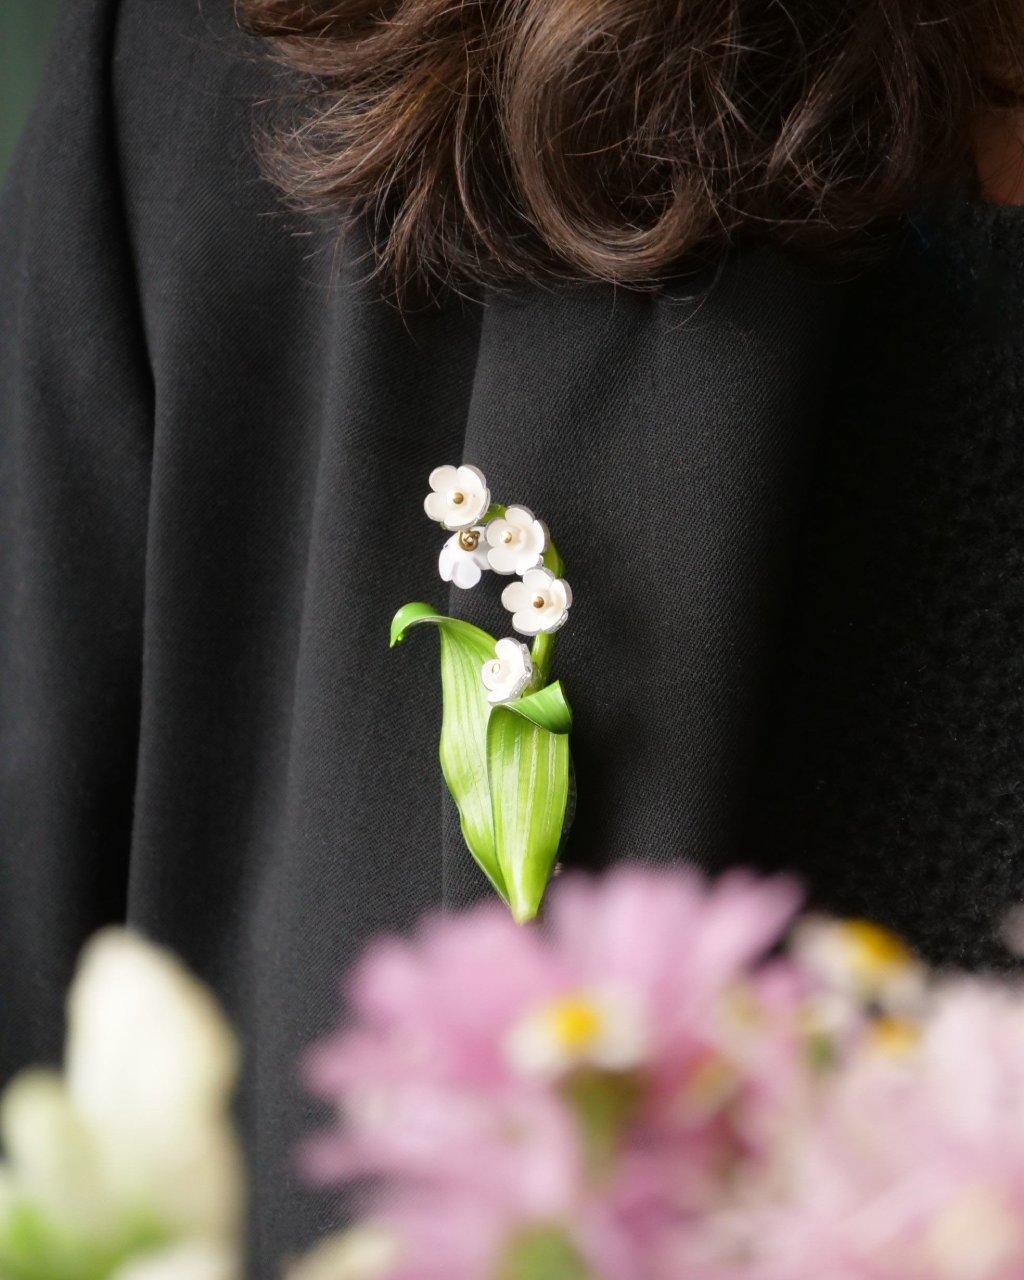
[(668, 1079)]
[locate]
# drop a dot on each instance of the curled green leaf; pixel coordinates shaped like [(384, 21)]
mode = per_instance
[(464, 723), (528, 772)]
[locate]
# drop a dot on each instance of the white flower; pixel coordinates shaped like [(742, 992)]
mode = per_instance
[(463, 557), (459, 496), (517, 541), (539, 603), (195, 1260), (362, 1253), (507, 675), (600, 1028), (150, 1067), (861, 961), (138, 1125)]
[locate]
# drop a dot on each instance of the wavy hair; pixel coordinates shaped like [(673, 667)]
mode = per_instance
[(506, 140)]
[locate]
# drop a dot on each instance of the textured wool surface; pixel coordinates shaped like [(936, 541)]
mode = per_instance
[(892, 775), (791, 512)]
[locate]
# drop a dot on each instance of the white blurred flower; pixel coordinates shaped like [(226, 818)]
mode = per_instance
[(540, 602), (459, 496), (364, 1253), (506, 675), (862, 961), (516, 541), (137, 1130), (463, 558), (150, 1067), (195, 1260), (602, 1029)]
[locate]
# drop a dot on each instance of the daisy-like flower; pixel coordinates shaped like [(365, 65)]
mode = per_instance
[(540, 602), (508, 673), (861, 961), (463, 558), (517, 541), (459, 496), (598, 1028)]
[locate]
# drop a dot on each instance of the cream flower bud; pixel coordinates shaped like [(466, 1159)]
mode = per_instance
[(508, 673), (540, 602), (463, 558), (516, 540), (459, 496)]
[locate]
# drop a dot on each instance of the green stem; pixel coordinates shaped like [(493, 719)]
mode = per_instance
[(543, 654), (543, 650)]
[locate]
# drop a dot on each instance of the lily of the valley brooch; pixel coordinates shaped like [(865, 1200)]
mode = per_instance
[(505, 725)]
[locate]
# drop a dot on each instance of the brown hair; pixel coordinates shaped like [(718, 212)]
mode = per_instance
[(501, 140)]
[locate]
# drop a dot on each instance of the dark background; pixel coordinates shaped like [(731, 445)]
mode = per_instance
[(25, 27)]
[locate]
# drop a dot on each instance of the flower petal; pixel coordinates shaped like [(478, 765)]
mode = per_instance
[(151, 1063), (434, 506), (510, 650), (502, 559), (446, 562), (465, 572), (538, 580), (443, 479), (516, 596), (527, 559), (471, 478), (528, 622)]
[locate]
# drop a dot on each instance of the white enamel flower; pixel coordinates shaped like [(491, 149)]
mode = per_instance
[(540, 602), (463, 558), (517, 541), (508, 673), (458, 498)]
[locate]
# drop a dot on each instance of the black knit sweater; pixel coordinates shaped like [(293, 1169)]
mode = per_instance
[(892, 775)]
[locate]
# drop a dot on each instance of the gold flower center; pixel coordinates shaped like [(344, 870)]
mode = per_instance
[(508, 536), (458, 498), (469, 539), (539, 602)]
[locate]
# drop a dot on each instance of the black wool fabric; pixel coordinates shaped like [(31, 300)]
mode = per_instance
[(791, 514)]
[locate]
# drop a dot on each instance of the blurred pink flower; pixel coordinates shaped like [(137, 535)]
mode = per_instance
[(574, 1078), (911, 1167)]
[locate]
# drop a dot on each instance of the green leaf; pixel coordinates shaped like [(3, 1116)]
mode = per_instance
[(464, 726), (528, 773)]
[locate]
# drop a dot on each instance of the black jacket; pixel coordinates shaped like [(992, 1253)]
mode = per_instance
[(792, 511)]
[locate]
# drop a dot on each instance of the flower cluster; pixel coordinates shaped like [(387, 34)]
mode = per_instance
[(646, 1088), (506, 540)]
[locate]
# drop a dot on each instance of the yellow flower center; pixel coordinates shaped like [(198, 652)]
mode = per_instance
[(575, 1024), (895, 1037), (874, 951)]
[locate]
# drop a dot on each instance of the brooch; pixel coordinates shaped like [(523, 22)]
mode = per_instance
[(505, 725)]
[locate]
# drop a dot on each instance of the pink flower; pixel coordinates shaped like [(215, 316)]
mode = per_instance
[(572, 1080), (910, 1168)]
